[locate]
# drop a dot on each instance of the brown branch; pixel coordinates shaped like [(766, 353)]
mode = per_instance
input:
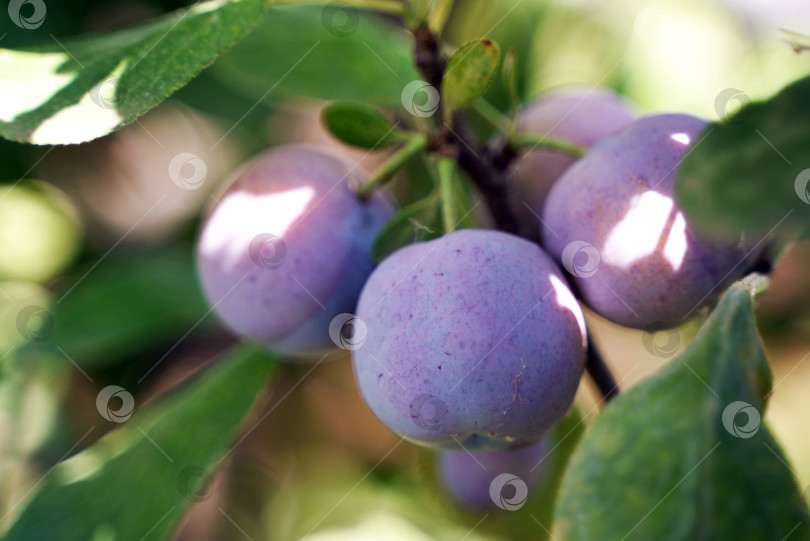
[(600, 374), (478, 162)]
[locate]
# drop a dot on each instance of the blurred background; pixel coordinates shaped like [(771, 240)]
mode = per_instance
[(100, 237)]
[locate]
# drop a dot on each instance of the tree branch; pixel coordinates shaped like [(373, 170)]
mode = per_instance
[(600, 374), (477, 161)]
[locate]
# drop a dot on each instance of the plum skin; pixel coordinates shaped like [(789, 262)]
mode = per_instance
[(466, 476), (653, 270), (472, 339), (576, 114), (289, 228)]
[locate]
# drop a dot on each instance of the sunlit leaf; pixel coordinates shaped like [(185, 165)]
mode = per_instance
[(81, 89)]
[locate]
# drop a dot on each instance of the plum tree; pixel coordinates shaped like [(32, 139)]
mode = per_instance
[(287, 247), (613, 223), (490, 480), (472, 339), (577, 114)]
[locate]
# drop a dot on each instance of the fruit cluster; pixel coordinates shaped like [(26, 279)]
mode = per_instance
[(472, 344)]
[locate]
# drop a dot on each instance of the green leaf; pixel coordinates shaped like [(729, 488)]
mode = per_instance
[(81, 89), (360, 125), (469, 72), (417, 222), (109, 310), (299, 51), (662, 461), (752, 172), (136, 482)]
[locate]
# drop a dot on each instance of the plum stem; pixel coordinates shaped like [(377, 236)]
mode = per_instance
[(446, 170), (501, 123), (491, 114), (414, 146), (600, 374), (534, 142)]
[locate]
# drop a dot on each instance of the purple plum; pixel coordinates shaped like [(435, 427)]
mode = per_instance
[(613, 223), (581, 115), (490, 480), (287, 248), (473, 339)]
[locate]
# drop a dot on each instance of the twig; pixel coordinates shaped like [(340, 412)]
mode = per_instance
[(477, 161), (600, 374)]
